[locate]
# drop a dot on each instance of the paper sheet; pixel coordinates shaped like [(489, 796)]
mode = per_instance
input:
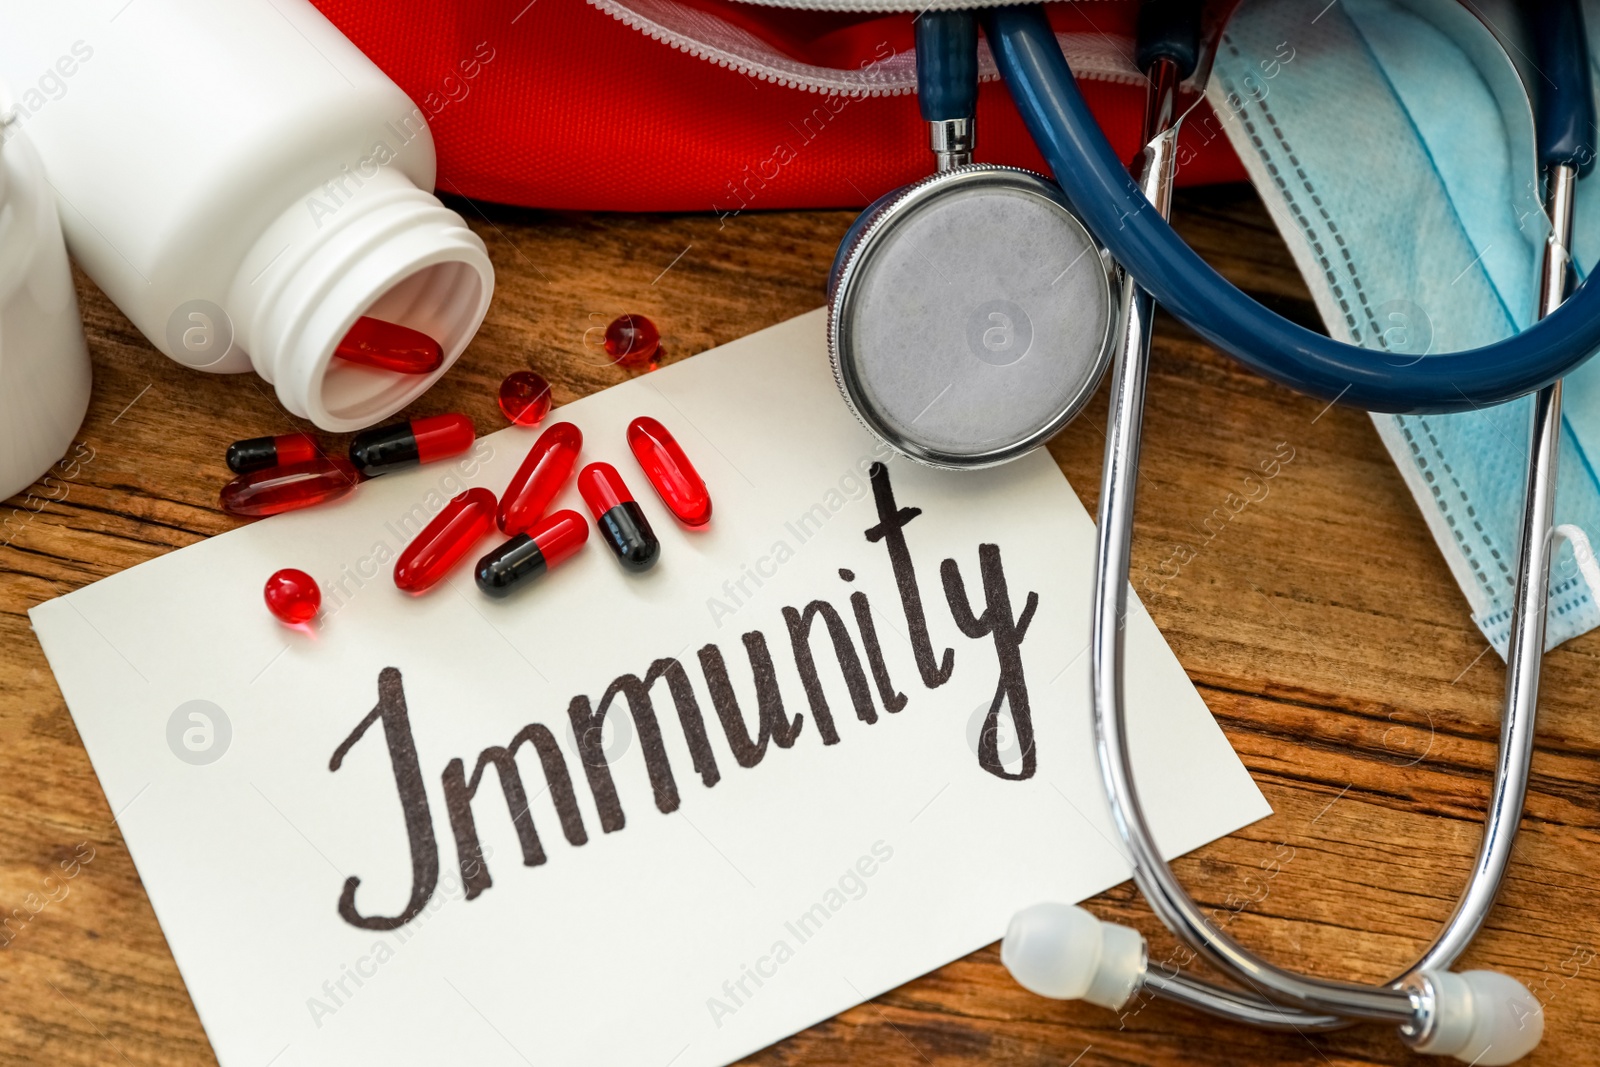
[(374, 913)]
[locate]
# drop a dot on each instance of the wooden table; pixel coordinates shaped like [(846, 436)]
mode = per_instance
[(1321, 626)]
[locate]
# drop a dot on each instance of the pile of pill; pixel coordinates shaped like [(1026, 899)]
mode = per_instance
[(289, 471)]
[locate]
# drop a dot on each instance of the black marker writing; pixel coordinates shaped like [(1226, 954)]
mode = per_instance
[(588, 727), (893, 700), (413, 803), (772, 722), (891, 531), (459, 793), (996, 622), (855, 680)]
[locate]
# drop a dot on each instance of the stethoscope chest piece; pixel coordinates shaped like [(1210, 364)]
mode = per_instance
[(970, 316)]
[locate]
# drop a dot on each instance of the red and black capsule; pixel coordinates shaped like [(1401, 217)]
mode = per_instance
[(259, 453), (406, 444), (528, 555), (618, 516)]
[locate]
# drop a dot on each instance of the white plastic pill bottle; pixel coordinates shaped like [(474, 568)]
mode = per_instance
[(244, 184), (44, 363)]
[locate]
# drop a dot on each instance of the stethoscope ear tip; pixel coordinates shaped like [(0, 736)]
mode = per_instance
[(1479, 1017), (1063, 952)]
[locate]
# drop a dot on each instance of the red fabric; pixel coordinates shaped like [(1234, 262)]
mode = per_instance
[(558, 105)]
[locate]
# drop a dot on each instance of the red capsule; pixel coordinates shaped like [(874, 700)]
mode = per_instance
[(618, 517), (465, 521), (292, 596), (405, 444), (545, 470), (259, 453), (390, 346), (632, 340), (298, 485), (525, 398), (669, 471)]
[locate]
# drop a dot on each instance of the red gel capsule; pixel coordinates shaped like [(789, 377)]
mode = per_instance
[(298, 485), (525, 398), (465, 521), (528, 555), (259, 453), (669, 471), (618, 517), (405, 444), (632, 340), (292, 596), (390, 346), (546, 469)]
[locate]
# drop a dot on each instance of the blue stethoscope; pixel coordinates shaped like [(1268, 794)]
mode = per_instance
[(955, 338)]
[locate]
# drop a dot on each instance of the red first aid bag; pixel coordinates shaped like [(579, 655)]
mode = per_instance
[(713, 105)]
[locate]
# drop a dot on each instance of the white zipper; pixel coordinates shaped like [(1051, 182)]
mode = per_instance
[(705, 36)]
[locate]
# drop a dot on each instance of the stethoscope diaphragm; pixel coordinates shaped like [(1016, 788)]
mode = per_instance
[(970, 316)]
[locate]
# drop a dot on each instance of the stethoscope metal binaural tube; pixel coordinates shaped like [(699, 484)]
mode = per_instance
[(1118, 485), (1411, 999), (1101, 192), (1526, 644)]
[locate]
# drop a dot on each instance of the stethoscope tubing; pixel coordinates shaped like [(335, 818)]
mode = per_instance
[(1117, 212)]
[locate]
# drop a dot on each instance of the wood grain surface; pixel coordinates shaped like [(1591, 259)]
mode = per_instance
[(1320, 625)]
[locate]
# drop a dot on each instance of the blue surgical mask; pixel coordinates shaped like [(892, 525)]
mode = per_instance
[(1402, 178)]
